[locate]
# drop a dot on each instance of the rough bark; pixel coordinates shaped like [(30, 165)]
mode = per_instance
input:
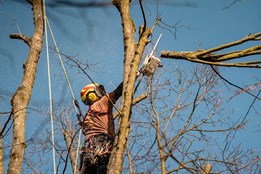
[(22, 96), (115, 164), (132, 57)]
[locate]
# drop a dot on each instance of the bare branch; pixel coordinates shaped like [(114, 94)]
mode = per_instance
[(231, 4), (134, 102), (30, 2), (233, 84), (69, 137), (22, 37), (60, 3), (209, 57), (5, 125)]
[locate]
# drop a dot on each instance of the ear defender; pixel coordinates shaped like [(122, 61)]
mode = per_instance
[(92, 97)]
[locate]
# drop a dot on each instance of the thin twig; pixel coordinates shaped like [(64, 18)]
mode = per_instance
[(232, 84)]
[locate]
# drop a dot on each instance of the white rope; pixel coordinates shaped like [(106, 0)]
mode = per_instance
[(69, 84), (60, 58), (49, 87)]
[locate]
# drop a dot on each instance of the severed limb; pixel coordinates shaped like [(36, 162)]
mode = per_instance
[(210, 57)]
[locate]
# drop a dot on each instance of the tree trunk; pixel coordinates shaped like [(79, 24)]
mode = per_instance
[(115, 164), (22, 96), (132, 56)]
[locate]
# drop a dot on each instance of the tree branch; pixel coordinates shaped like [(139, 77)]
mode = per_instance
[(209, 57), (134, 102), (69, 136), (22, 37)]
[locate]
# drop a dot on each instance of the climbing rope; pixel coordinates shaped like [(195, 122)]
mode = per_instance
[(60, 58), (75, 103), (49, 86)]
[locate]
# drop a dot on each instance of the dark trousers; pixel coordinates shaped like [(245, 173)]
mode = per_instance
[(96, 154)]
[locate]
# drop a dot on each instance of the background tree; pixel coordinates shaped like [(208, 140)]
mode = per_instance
[(192, 116), (179, 137), (22, 96)]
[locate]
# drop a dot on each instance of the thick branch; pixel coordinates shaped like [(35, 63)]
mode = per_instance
[(210, 57), (128, 27), (231, 44), (132, 56)]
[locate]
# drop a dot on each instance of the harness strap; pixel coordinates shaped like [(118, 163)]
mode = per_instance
[(97, 147)]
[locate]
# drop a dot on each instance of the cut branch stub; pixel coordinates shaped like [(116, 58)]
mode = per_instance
[(22, 37)]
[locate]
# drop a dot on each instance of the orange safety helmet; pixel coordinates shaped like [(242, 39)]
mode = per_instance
[(91, 93)]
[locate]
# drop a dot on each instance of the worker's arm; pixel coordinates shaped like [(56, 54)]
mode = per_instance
[(118, 91)]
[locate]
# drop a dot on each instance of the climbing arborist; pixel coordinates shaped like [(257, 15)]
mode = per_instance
[(98, 125)]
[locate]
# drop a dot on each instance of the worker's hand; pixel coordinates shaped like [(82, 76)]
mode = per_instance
[(80, 123)]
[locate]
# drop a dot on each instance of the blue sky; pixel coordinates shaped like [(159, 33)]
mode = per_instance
[(94, 36)]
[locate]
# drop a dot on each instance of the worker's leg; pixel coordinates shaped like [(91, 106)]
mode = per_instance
[(89, 169), (103, 162), (96, 154)]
